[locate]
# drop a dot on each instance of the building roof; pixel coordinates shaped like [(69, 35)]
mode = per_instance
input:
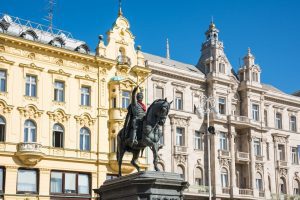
[(171, 63), (271, 88), (37, 32), (297, 93)]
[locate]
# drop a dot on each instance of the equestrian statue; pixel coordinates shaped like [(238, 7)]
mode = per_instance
[(142, 128)]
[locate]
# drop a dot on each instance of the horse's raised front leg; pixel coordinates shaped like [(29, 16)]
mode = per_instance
[(135, 156)]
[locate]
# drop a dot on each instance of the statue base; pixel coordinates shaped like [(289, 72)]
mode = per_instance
[(146, 185)]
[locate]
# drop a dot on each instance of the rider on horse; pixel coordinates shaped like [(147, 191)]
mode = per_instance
[(134, 117)]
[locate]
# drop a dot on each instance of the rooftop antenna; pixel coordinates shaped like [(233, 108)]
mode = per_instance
[(168, 50), (49, 17), (120, 8)]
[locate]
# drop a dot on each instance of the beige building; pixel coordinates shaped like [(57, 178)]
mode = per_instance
[(255, 151), (61, 107)]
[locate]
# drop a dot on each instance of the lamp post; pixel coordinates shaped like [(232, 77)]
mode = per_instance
[(208, 105)]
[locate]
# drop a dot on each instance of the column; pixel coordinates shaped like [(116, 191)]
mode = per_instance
[(252, 167), (44, 183), (11, 174), (275, 163), (233, 171)]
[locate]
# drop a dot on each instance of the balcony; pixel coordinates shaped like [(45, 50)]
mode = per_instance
[(180, 150), (123, 60), (224, 154), (198, 189), (246, 192), (30, 153), (282, 164), (240, 121), (225, 190), (242, 156), (259, 158)]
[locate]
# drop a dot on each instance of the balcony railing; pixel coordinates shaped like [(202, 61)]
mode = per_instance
[(123, 60), (180, 149), (225, 190), (30, 153), (224, 153), (199, 189), (282, 163), (29, 147), (246, 192), (242, 156), (259, 158)]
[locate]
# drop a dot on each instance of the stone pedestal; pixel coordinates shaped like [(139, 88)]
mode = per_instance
[(146, 185)]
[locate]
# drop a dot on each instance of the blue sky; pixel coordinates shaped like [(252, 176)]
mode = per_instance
[(270, 28)]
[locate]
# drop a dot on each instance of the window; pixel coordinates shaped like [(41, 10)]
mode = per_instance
[(59, 91), (114, 102), (222, 105), (159, 93), (198, 176), (180, 171), (259, 183), (224, 177), (27, 181), (281, 152), (125, 99), (223, 141), (58, 136), (198, 141), (2, 129), (255, 76), (1, 180), (282, 185), (2, 80), (278, 121), (31, 86), (294, 155), (196, 103), (257, 147), (85, 139), (161, 140), (266, 117), (69, 183), (293, 126), (296, 186), (222, 68), (178, 101), (29, 131), (113, 144), (255, 112), (111, 176), (85, 96), (179, 136)]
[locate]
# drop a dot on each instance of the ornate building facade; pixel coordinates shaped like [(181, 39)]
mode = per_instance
[(255, 150)]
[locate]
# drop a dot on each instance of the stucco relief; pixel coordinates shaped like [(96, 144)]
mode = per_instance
[(259, 167), (30, 111), (85, 119), (58, 115), (4, 107)]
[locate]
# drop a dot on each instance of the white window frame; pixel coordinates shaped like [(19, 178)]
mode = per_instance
[(278, 120), (125, 99), (222, 104), (255, 112), (59, 91), (180, 134), (3, 80), (293, 123), (198, 143), (85, 98), (179, 101), (31, 83), (223, 142)]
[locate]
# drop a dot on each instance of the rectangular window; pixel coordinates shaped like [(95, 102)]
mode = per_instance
[(159, 93), (254, 76), (222, 68), (85, 96), (114, 102), (278, 121), (59, 91), (255, 112), (198, 141), (2, 129), (71, 183), (223, 142), (266, 117), (179, 136), (2, 80), (178, 101), (293, 126), (294, 155), (27, 181), (161, 140), (222, 106), (257, 147), (1, 180), (259, 184), (125, 99), (31, 86), (281, 152)]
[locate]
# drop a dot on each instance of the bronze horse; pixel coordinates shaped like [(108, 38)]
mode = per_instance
[(148, 134)]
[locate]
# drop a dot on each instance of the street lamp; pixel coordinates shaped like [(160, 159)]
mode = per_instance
[(207, 106)]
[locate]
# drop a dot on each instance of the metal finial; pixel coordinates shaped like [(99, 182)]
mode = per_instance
[(168, 50), (120, 8), (249, 51)]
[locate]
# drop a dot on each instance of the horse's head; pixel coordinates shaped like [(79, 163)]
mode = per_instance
[(160, 110)]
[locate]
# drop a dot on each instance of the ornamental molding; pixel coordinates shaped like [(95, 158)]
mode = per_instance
[(4, 107), (31, 66), (2, 48), (58, 115), (259, 167), (4, 60), (281, 100), (159, 80), (224, 162), (283, 172), (86, 77), (279, 138), (59, 72), (30, 111), (180, 159), (180, 120), (85, 119)]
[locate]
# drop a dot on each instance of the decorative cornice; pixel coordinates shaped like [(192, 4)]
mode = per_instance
[(58, 115), (30, 111), (86, 77), (4, 107), (4, 60), (31, 66), (59, 72), (85, 119)]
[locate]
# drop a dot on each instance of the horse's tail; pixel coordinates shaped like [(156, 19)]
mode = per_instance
[(119, 145)]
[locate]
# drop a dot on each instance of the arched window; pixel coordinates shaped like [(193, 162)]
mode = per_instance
[(282, 185), (224, 178), (29, 131), (180, 170), (85, 139), (58, 136), (2, 129), (259, 183), (161, 167), (296, 186), (29, 35), (198, 176)]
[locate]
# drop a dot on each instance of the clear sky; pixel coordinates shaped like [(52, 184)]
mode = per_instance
[(271, 28)]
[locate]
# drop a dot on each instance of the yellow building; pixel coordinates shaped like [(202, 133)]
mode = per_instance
[(61, 108)]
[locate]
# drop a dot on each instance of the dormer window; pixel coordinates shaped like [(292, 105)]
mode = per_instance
[(29, 35), (255, 76), (222, 68), (57, 42), (82, 49)]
